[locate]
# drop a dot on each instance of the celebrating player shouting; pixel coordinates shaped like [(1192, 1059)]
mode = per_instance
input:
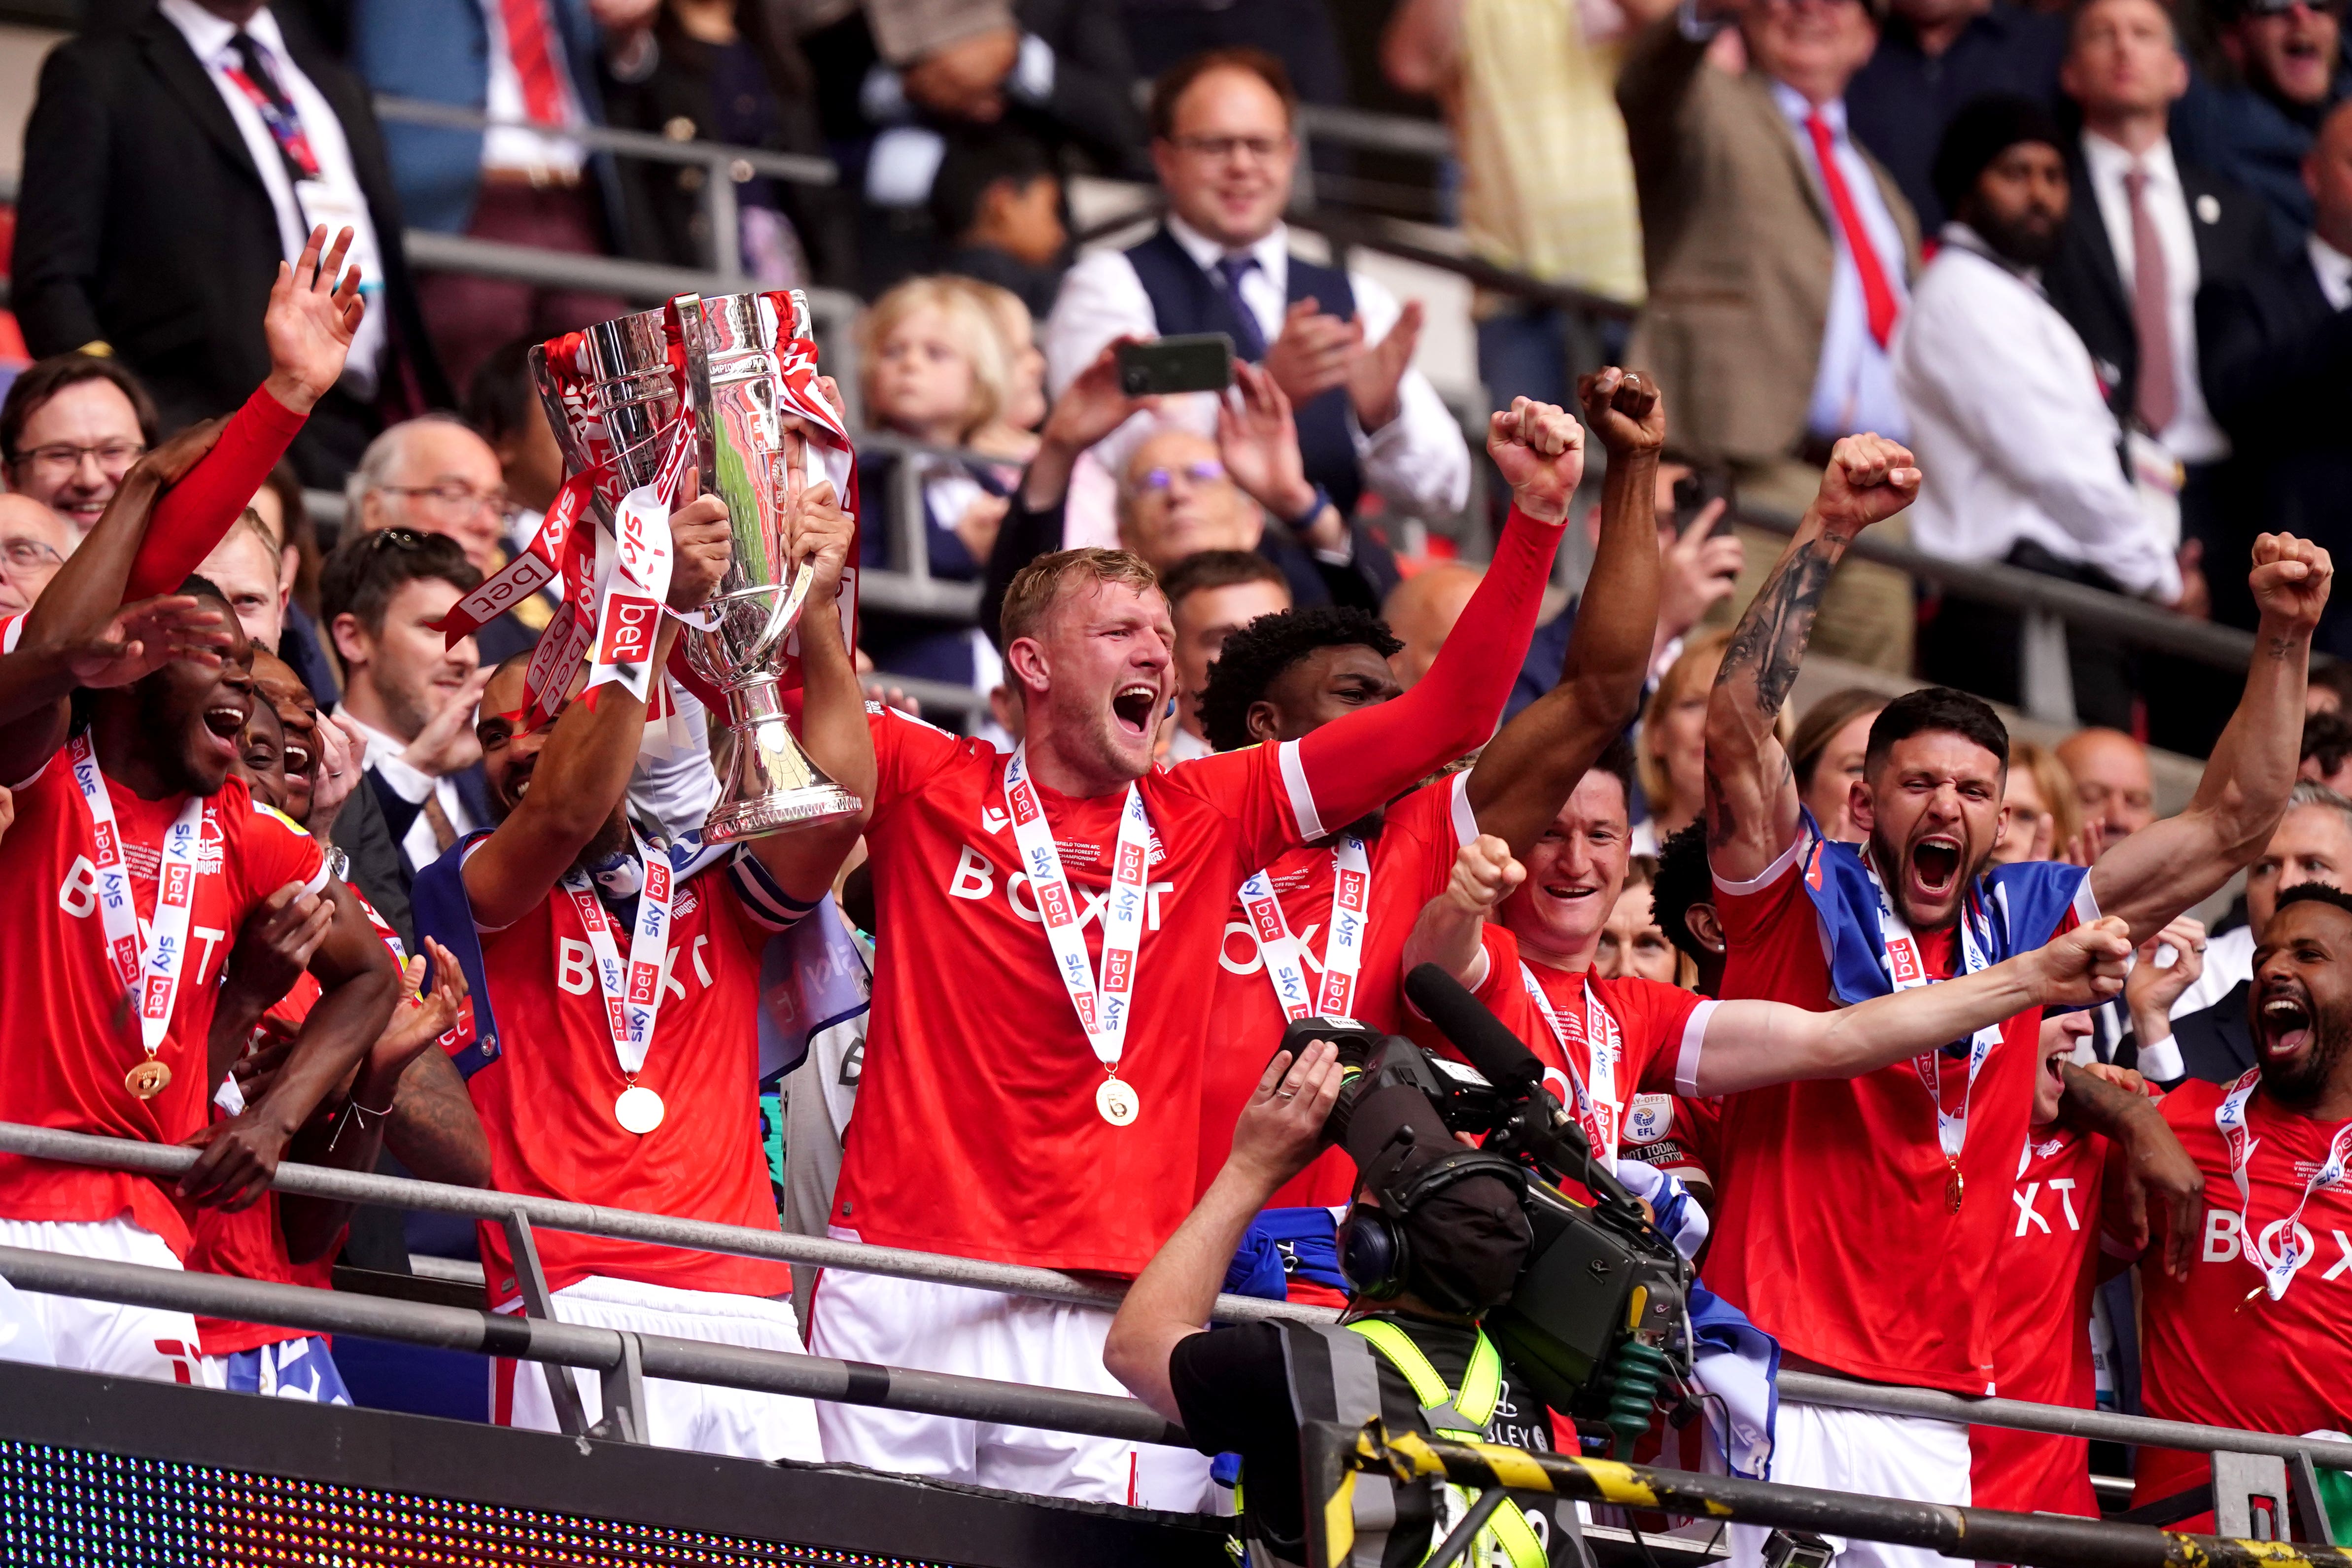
[(1041, 992), (618, 977), (1927, 1148), (142, 854), (1319, 930)]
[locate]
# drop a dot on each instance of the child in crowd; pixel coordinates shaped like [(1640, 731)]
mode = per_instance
[(1014, 432), (997, 204)]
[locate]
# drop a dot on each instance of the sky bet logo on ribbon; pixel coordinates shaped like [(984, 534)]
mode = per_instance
[(627, 634)]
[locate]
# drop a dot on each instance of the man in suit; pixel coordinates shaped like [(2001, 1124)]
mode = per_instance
[(1337, 343), (169, 169), (409, 700), (536, 60), (2277, 67), (2277, 353), (1780, 256)]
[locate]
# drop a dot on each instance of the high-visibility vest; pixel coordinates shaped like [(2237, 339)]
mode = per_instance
[(1507, 1539)]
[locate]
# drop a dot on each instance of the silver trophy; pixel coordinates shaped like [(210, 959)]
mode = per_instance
[(615, 402)]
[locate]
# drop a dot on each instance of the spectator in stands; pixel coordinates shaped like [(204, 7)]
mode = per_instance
[(249, 569), (2113, 783), (285, 514), (2277, 351), (2327, 750), (2020, 450), (205, 123), (2202, 1000), (71, 427), (1683, 900), (997, 206), (1631, 940), (34, 544), (1420, 612), (409, 699), (1827, 752), (2331, 689), (1337, 344), (2040, 819), (1673, 746), (2274, 1236), (2144, 229), (433, 476), (1934, 55), (1780, 257), (1547, 185), (1910, 1186), (731, 71), (1012, 433), (2281, 69), (543, 61), (503, 408), (659, 1112), (1211, 594)]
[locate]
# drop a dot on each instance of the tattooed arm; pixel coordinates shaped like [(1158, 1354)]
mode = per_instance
[(2167, 866), (1752, 790)]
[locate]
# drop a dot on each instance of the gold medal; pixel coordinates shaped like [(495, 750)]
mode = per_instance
[(1116, 1101), (147, 1079), (638, 1110), (1954, 1190)]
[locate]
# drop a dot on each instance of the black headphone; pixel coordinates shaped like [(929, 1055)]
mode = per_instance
[(1375, 1256)]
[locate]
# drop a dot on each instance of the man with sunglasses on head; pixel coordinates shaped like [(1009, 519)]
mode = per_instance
[(436, 475), (410, 699)]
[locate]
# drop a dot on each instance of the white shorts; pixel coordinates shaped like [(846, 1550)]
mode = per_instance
[(980, 1333), (101, 1336), (1905, 1456), (701, 1417)]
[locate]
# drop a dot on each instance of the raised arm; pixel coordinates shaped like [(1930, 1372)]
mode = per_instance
[(833, 706), (308, 326), (1447, 930), (1751, 791), (1365, 759), (1751, 1044), (2168, 866), (1528, 772), (580, 776)]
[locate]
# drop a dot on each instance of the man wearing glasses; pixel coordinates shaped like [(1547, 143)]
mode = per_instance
[(1336, 342), (32, 545), (434, 474), (71, 429)]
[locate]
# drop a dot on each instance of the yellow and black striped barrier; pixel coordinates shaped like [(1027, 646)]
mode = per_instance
[(1336, 1456)]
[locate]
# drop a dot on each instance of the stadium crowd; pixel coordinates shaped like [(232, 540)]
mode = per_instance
[(2070, 292)]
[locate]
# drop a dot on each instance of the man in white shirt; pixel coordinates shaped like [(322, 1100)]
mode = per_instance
[(1337, 343), (2022, 454), (408, 698)]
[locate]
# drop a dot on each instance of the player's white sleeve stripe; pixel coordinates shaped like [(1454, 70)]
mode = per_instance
[(12, 632), (319, 878), (1302, 799), (2086, 902), (470, 851), (901, 714), (769, 904), (1771, 873), (34, 777), (1465, 821), (1693, 1040)]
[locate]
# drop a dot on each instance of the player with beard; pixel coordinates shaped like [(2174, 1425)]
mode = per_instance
[(152, 854), (615, 1058), (1807, 1222), (2259, 1335), (1062, 1087), (1319, 930)]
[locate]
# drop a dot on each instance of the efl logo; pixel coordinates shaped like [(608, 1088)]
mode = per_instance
[(627, 634)]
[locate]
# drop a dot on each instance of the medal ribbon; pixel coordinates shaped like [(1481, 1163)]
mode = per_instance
[(1101, 1005), (1904, 967), (151, 970), (2230, 1119), (1343, 938), (1603, 1046), (633, 997)]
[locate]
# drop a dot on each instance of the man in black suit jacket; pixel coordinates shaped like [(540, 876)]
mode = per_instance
[(146, 222), (2278, 368)]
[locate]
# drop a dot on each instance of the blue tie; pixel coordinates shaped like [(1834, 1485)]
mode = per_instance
[(1249, 338)]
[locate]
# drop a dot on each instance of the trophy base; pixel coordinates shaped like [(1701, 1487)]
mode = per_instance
[(768, 786)]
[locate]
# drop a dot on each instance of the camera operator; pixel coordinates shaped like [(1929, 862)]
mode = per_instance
[(1465, 1240)]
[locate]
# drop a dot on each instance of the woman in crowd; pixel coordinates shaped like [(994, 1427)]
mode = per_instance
[(1673, 748), (1633, 942), (2039, 817), (1827, 754)]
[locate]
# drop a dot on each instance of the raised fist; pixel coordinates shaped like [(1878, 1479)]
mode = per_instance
[(2290, 583), (1540, 447), (1869, 480)]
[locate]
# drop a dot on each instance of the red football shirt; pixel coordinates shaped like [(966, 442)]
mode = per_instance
[(546, 1099), (2218, 1350), (1820, 1183), (975, 1062), (2042, 1278), (66, 1036), (1674, 1132), (1411, 860)]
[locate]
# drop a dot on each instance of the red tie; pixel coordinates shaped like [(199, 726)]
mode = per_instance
[(534, 61), (1876, 297)]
